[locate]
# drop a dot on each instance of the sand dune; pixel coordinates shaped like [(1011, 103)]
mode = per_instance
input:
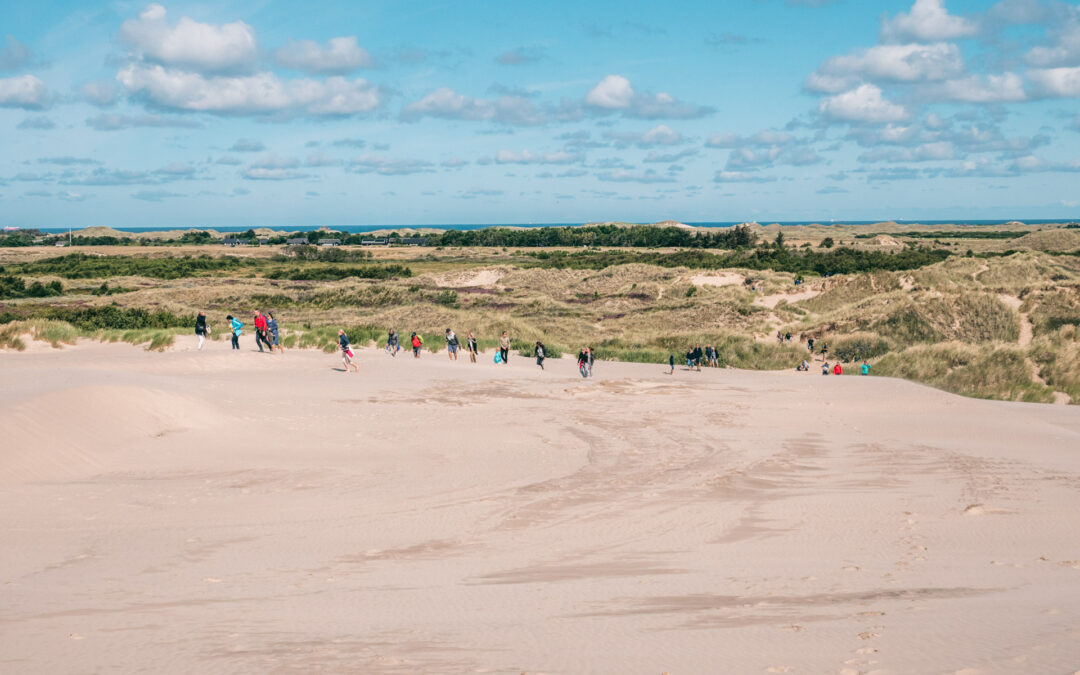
[(239, 512)]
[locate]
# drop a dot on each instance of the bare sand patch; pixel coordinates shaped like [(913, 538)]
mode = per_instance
[(726, 279), (223, 511)]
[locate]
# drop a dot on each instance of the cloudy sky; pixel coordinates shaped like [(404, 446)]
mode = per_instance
[(268, 112)]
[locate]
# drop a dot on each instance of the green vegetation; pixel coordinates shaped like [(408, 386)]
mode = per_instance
[(83, 266), (635, 236), (840, 261), (97, 318), (985, 372), (15, 287), (331, 273), (954, 234)]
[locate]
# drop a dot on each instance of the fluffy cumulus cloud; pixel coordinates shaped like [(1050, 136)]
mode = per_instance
[(1056, 82), (190, 44), (891, 62), (1004, 88), (24, 91), (1064, 49), (614, 93), (750, 159), (261, 93), (864, 104), (927, 21), (341, 55)]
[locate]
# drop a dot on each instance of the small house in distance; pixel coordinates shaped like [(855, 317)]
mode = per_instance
[(410, 241), (375, 242), (235, 241), (297, 241), (329, 242), (263, 241)]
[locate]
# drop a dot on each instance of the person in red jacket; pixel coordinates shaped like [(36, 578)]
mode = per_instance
[(837, 370), (260, 331)]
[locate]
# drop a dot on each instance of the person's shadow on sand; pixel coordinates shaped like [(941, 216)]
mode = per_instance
[(340, 370)]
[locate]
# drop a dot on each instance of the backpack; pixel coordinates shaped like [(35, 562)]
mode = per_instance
[(498, 357)]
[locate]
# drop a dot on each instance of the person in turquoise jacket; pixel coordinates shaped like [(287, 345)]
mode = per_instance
[(236, 330), (865, 368)]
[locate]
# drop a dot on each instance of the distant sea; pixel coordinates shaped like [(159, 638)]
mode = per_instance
[(475, 226)]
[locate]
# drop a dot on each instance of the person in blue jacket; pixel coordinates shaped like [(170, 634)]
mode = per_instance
[(236, 330)]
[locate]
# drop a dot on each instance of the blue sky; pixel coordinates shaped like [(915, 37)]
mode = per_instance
[(407, 112)]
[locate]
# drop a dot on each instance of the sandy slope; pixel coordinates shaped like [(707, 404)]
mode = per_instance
[(237, 512)]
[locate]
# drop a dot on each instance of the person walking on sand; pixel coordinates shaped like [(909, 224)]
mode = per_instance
[(824, 350), (470, 342), (583, 362), (540, 354), (200, 328), (504, 348), (591, 354), (236, 327), (697, 356), (837, 370), (452, 344), (260, 330), (825, 368), (393, 344), (671, 364), (810, 345), (347, 354), (864, 368), (272, 332), (417, 342)]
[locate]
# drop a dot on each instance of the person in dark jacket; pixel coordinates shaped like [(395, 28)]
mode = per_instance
[(540, 354), (470, 343), (200, 328)]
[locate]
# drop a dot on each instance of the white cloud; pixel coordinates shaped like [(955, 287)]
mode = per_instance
[(1056, 82), (529, 157), (622, 176), (25, 91), (190, 44), (1004, 88), (658, 135), (741, 177), (1065, 51), (38, 123), (101, 94), (387, 166), (892, 62), (255, 173), (260, 93), (928, 21), (761, 138), (863, 104), (615, 94), (341, 55), (445, 103), (928, 152)]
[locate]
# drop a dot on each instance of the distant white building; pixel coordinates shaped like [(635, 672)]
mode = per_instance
[(329, 242)]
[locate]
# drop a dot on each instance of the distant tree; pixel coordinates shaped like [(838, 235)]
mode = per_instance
[(827, 242)]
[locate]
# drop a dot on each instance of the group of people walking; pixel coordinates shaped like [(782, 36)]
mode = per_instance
[(267, 334), (266, 331)]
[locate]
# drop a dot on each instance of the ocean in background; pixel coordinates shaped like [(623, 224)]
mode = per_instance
[(475, 226)]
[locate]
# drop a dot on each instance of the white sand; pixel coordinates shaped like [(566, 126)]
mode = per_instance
[(216, 512), (724, 279)]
